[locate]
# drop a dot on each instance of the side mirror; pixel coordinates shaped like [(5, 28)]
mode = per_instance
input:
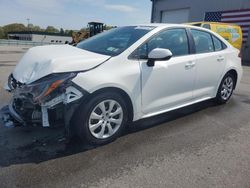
[(158, 54)]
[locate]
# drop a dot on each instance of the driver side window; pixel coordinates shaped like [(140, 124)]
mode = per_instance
[(173, 39)]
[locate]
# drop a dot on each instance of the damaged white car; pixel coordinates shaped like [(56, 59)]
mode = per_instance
[(122, 75)]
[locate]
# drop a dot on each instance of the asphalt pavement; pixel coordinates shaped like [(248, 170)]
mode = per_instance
[(202, 145)]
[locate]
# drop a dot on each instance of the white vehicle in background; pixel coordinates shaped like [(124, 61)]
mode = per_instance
[(122, 75)]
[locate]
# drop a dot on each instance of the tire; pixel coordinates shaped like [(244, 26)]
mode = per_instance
[(226, 88), (101, 119)]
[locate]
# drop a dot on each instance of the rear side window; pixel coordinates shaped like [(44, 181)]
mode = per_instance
[(203, 41), (207, 26), (217, 44)]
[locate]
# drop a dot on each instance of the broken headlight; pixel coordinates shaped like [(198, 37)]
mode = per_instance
[(43, 87)]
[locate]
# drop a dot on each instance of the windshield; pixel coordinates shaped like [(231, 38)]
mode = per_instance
[(114, 41)]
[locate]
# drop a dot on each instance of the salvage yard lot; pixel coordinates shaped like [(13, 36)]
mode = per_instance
[(198, 146)]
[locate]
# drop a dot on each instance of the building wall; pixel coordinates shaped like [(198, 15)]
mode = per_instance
[(245, 51), (197, 7), (51, 39), (27, 37)]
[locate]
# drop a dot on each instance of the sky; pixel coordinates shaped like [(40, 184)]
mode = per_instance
[(74, 14)]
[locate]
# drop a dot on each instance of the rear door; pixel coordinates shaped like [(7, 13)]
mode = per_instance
[(210, 63)]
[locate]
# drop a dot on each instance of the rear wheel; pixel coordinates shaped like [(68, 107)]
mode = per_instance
[(226, 88), (102, 119)]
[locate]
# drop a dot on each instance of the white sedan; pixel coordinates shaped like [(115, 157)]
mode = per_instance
[(122, 75)]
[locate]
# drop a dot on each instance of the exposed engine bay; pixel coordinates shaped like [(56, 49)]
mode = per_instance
[(44, 102)]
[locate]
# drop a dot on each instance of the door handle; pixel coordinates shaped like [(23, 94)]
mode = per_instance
[(219, 59), (190, 65)]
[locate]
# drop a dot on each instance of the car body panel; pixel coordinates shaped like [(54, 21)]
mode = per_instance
[(208, 74), (121, 73), (44, 60), (167, 84)]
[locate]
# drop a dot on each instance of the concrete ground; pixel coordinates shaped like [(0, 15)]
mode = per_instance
[(199, 146)]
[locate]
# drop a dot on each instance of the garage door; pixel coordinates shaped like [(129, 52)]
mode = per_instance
[(175, 16)]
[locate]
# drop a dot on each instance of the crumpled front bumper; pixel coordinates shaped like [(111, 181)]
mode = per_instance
[(71, 97), (15, 114)]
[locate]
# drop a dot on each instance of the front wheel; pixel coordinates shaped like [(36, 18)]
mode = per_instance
[(226, 88), (102, 119)]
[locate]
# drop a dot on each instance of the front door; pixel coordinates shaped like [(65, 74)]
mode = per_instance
[(169, 84)]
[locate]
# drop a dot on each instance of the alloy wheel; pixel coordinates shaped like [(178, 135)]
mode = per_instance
[(227, 88), (105, 119)]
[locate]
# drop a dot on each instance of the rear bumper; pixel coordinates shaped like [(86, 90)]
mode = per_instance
[(240, 74)]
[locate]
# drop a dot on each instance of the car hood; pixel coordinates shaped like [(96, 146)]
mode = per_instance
[(44, 60)]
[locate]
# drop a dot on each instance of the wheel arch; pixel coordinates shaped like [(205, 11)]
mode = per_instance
[(235, 74), (230, 70), (122, 93)]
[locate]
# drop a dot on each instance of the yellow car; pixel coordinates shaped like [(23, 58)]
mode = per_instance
[(231, 32)]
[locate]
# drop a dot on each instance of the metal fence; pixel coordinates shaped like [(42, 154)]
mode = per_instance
[(4, 42)]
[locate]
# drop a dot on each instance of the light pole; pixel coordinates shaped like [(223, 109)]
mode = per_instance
[(28, 27), (28, 20)]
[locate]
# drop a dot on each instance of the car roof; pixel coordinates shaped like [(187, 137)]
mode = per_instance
[(159, 25), (218, 23), (168, 25), (162, 26)]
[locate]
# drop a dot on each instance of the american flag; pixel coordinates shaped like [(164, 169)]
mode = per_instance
[(239, 17)]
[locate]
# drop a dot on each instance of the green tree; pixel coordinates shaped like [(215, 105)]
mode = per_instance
[(30, 27), (51, 29), (2, 34), (108, 27), (83, 30), (61, 31), (34, 28), (14, 27), (68, 32)]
